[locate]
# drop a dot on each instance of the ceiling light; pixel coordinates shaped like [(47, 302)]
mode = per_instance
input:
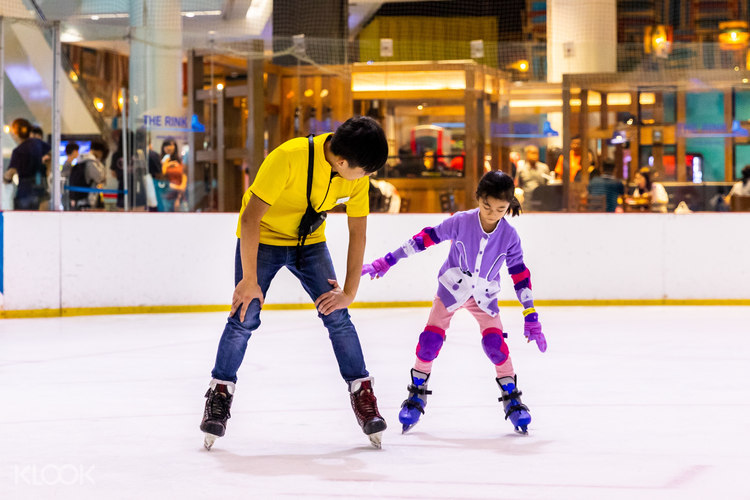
[(521, 65), (193, 13), (733, 35)]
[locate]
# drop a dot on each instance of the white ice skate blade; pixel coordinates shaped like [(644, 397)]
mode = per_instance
[(406, 428), (376, 439), (209, 440)]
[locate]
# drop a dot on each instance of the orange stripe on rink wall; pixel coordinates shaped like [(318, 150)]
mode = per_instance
[(96, 311)]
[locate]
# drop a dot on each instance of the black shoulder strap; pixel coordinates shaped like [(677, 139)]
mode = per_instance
[(310, 164)]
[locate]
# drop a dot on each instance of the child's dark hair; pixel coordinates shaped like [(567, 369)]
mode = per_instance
[(499, 185), (70, 147), (361, 141)]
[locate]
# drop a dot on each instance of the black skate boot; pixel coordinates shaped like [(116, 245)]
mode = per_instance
[(413, 407), (216, 413), (365, 406), (515, 410)]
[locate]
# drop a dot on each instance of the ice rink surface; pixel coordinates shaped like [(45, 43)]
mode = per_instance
[(627, 403)]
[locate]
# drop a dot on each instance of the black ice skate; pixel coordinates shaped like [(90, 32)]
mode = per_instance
[(365, 406), (515, 410), (216, 414)]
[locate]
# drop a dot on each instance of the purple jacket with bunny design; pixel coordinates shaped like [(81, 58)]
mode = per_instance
[(474, 262)]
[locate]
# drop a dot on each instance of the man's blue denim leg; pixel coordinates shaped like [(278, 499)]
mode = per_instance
[(236, 334), (316, 270)]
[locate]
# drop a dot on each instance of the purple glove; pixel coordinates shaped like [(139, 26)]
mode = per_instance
[(377, 269), (532, 330)]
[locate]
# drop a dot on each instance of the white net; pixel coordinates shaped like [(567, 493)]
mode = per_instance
[(663, 62), (512, 35)]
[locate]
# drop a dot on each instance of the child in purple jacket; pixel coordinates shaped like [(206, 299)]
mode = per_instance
[(481, 240)]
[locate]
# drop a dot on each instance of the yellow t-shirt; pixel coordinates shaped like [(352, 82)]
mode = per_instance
[(282, 183)]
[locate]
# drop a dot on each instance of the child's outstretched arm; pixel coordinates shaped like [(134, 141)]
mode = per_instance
[(532, 329), (420, 241)]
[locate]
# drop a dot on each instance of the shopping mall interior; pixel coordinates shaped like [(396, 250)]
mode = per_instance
[(460, 87)]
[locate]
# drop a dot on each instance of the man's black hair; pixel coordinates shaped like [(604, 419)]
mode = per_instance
[(37, 130), (70, 147), (100, 145), (22, 128), (361, 142), (745, 174), (608, 166), (646, 176)]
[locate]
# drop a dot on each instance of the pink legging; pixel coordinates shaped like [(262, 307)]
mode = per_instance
[(441, 318)]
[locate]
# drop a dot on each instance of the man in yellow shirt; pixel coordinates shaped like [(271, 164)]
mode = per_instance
[(268, 238)]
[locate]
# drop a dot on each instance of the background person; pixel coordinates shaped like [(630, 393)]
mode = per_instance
[(530, 174), (741, 187), (607, 185), (649, 194), (28, 162), (514, 157), (71, 158), (576, 160), (174, 172), (37, 132), (88, 173)]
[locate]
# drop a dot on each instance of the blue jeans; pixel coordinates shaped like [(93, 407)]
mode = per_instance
[(315, 271)]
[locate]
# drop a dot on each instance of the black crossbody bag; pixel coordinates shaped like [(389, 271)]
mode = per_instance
[(312, 219)]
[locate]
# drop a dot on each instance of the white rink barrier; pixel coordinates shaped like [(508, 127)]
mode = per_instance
[(88, 263)]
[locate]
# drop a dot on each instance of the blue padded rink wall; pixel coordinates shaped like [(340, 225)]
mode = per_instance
[(627, 402)]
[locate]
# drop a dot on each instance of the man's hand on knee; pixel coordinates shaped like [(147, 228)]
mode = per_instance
[(333, 300), (244, 293)]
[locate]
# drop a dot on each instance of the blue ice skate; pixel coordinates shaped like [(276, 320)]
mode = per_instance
[(515, 410), (413, 407)]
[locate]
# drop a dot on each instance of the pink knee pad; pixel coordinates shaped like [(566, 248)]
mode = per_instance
[(430, 342), (493, 343)]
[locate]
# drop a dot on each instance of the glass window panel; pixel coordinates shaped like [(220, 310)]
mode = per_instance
[(704, 109), (741, 158), (742, 105), (670, 107), (712, 150)]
